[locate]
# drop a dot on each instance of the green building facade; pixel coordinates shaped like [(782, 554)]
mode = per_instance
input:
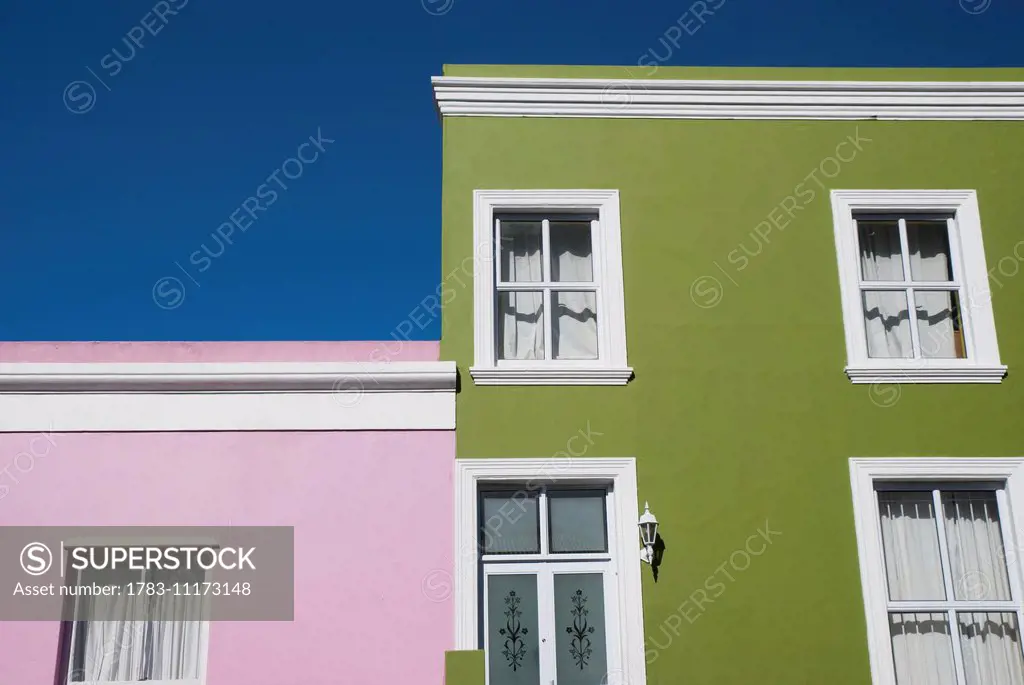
[(756, 362)]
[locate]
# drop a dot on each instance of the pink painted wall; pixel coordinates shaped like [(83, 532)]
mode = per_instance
[(384, 351), (372, 513)]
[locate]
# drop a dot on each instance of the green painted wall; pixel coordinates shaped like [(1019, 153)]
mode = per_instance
[(464, 667), (740, 413)]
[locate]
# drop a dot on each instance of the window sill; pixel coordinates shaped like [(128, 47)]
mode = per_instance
[(992, 373), (551, 376)]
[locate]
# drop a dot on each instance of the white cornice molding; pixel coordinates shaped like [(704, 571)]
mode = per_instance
[(227, 376), (728, 99), (87, 397)]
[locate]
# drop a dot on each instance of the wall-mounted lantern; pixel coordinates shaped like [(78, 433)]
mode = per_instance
[(648, 533)]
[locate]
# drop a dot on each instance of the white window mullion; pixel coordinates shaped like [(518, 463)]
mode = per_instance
[(947, 579), (547, 306), (911, 302), (965, 304), (599, 268), (545, 227), (546, 625), (496, 266), (543, 522)]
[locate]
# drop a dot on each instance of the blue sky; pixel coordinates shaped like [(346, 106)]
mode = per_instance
[(100, 208)]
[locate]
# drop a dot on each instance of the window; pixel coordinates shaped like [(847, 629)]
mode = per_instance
[(916, 302), (133, 636), (548, 572), (548, 293), (942, 585)]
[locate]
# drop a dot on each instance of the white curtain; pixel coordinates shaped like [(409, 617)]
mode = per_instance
[(886, 318), (975, 545), (886, 314), (145, 638), (574, 326), (911, 543), (521, 314), (929, 261), (991, 647), (922, 651), (921, 641)]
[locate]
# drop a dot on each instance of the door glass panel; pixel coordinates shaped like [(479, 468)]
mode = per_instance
[(581, 638), (577, 521), (509, 524), (512, 635)]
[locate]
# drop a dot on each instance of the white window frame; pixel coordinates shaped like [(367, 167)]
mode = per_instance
[(863, 475), (204, 627), (623, 548), (982, 364), (611, 367)]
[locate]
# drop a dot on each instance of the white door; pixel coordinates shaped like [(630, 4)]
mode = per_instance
[(549, 605)]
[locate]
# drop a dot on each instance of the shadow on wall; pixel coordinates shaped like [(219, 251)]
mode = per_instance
[(659, 552)]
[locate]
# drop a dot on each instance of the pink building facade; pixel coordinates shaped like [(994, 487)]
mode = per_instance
[(356, 455)]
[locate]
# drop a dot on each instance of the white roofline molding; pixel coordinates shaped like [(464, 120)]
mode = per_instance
[(224, 376), (728, 99), (85, 397)]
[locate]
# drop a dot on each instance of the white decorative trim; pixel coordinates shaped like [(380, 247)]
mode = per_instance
[(728, 99), (227, 396), (581, 376), (612, 368), (982, 364), (937, 374), (863, 474), (621, 473)]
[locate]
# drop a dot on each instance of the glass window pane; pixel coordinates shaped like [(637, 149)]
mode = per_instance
[(574, 327), (887, 324), (881, 258), (922, 650), (928, 244), (520, 253), (509, 523), (578, 521), (581, 637), (910, 541), (521, 325), (512, 635), (938, 324), (131, 637), (975, 541), (571, 251), (990, 643)]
